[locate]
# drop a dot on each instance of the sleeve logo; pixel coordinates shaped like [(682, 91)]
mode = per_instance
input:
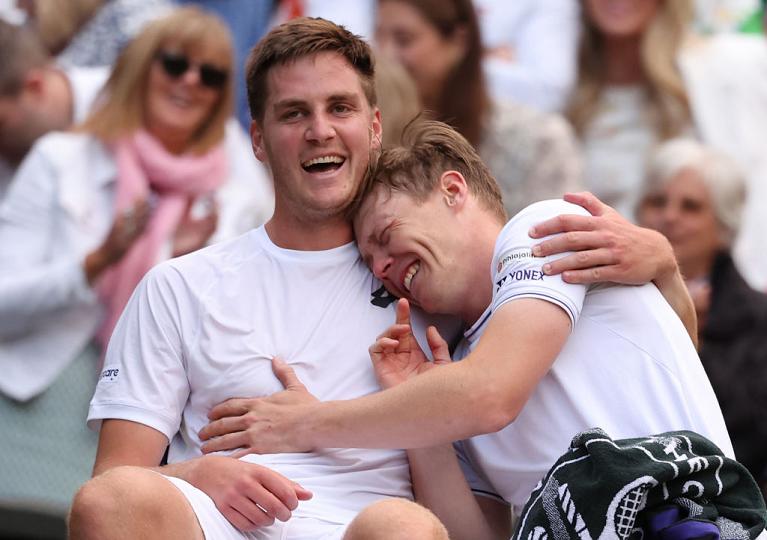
[(513, 255)]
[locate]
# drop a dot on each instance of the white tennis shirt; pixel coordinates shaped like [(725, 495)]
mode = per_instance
[(628, 367)]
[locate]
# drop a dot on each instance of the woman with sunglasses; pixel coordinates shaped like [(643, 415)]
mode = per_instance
[(88, 213)]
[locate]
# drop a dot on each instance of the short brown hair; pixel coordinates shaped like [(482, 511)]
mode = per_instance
[(121, 109), (429, 149), (302, 37), (20, 51)]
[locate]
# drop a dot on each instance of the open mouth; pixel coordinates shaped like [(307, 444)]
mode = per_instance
[(411, 272), (323, 164)]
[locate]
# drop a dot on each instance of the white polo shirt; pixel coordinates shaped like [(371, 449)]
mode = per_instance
[(628, 367), (203, 328)]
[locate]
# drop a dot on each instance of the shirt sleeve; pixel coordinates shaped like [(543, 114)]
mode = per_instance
[(144, 376), (32, 283), (518, 274)]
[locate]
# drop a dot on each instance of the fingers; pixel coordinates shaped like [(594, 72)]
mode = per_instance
[(403, 312), (238, 519), (254, 514), (439, 349), (230, 407), (302, 493), (573, 241), (581, 260), (286, 375), (396, 331), (230, 441), (267, 495), (383, 345), (588, 201), (562, 223), (597, 274)]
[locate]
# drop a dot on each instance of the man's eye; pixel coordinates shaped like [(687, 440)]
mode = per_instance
[(341, 109), (291, 115)]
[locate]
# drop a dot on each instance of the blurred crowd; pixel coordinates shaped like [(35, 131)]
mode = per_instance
[(123, 142)]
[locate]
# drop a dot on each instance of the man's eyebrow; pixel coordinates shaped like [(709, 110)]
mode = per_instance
[(345, 96), (287, 103)]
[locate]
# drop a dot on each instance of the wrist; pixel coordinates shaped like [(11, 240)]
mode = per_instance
[(191, 470), (668, 269), (318, 426)]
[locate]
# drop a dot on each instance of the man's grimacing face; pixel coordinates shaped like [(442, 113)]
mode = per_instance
[(409, 246), (317, 133)]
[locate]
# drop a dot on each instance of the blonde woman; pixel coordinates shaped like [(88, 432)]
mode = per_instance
[(89, 212), (630, 93)]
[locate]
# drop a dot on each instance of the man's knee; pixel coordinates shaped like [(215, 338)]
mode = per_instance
[(119, 502), (396, 519)]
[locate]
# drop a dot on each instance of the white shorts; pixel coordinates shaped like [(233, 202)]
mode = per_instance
[(216, 527)]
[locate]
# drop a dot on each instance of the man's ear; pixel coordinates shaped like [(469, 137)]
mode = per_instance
[(453, 188), (257, 141)]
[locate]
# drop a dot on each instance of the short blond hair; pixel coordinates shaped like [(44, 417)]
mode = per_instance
[(120, 109), (430, 148)]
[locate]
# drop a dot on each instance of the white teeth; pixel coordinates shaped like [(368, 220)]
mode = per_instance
[(323, 159), (409, 275)]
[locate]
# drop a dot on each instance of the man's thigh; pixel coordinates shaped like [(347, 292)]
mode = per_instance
[(216, 526)]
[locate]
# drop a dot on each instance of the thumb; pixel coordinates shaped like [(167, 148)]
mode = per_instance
[(286, 375), (438, 346)]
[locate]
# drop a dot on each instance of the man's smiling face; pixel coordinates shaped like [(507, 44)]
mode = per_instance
[(409, 246), (317, 134)]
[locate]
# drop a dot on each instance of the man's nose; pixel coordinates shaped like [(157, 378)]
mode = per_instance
[(320, 129), (382, 267)]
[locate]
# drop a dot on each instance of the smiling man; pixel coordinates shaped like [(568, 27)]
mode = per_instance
[(204, 328), (544, 359)]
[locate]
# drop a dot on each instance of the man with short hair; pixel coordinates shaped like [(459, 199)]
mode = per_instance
[(203, 328), (543, 359), (36, 96)]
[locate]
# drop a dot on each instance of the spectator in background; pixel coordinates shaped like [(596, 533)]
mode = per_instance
[(88, 213), (247, 21), (643, 78), (630, 94), (36, 96), (397, 99), (531, 154), (530, 50), (91, 32), (695, 195), (56, 21)]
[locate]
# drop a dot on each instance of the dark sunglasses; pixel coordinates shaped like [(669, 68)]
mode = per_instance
[(175, 65)]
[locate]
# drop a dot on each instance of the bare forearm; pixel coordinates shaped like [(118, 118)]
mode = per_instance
[(414, 414), (672, 287), (439, 484), (480, 394)]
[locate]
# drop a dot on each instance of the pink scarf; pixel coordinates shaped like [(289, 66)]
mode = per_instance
[(144, 166)]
